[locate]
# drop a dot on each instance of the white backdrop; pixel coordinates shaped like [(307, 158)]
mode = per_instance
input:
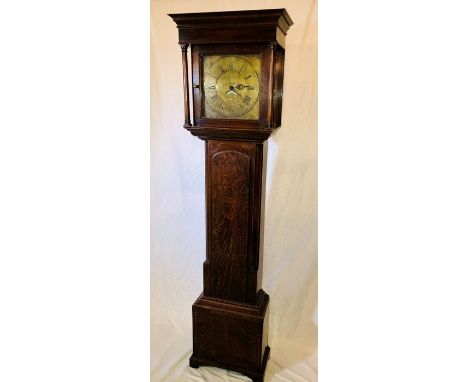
[(178, 208)]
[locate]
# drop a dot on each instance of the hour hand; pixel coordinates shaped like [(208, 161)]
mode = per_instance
[(231, 90), (240, 87)]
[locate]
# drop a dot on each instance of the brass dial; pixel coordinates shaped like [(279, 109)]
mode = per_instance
[(231, 86)]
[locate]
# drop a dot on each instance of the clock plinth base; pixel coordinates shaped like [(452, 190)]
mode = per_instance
[(231, 335), (254, 376)]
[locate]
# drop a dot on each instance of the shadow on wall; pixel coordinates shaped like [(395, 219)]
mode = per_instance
[(293, 301)]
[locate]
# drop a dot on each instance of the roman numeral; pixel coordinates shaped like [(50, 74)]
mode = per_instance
[(214, 98), (246, 78), (221, 68), (241, 68), (211, 87), (247, 100)]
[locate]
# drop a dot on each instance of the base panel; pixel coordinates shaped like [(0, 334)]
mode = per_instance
[(231, 335), (255, 376)]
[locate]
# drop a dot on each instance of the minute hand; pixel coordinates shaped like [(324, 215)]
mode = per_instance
[(240, 87)]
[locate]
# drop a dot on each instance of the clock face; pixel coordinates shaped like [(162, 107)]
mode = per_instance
[(231, 86)]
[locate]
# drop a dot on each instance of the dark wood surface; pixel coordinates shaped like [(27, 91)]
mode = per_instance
[(267, 25), (238, 134), (230, 318), (278, 86), (187, 122), (241, 340), (228, 174), (233, 194), (256, 376), (271, 84)]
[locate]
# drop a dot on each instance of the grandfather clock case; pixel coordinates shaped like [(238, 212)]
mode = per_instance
[(237, 64)]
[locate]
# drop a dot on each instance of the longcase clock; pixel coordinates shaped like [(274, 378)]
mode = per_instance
[(237, 62)]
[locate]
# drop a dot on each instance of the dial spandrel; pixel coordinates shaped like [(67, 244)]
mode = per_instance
[(231, 86)]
